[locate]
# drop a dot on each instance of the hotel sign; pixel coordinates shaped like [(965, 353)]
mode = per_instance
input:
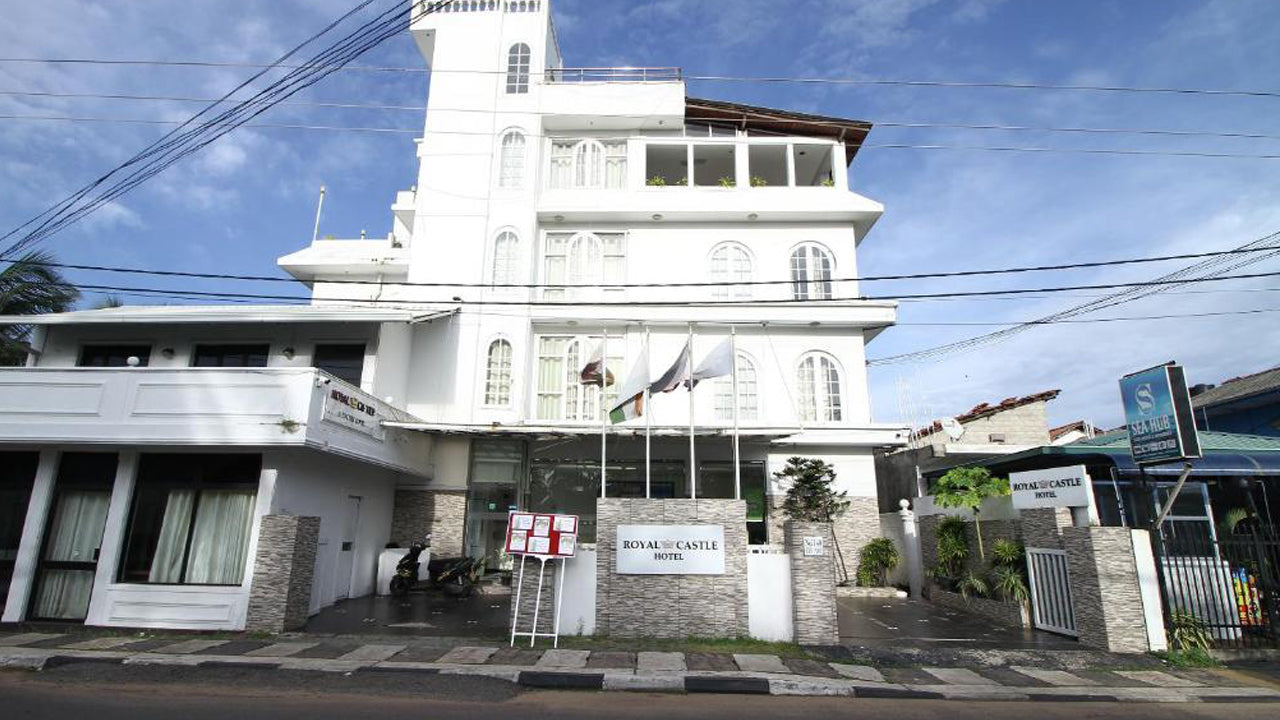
[(1054, 488), (1157, 412), (351, 411), (670, 550)]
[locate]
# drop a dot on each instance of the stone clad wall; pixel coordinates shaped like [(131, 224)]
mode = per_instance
[(813, 585), (859, 525), (671, 606), (439, 512), (280, 593), (1104, 588)]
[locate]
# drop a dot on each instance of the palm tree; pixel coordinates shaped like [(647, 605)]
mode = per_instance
[(30, 286)]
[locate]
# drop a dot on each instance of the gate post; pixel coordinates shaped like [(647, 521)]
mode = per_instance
[(911, 548), (1110, 609)]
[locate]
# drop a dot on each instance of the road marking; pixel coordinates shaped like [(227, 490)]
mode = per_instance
[(959, 676), (1060, 678)]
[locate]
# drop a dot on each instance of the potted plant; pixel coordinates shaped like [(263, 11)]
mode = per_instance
[(728, 182), (656, 181), (812, 499), (757, 181), (828, 182)]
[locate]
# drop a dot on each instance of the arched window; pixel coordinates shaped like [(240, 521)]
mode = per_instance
[(588, 164), (586, 261), (511, 170), (730, 263), (818, 385), (748, 393), (506, 259), (497, 379), (811, 268), (518, 69)]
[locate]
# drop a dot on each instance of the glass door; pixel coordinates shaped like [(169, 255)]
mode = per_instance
[(73, 537), (497, 467), (17, 475)]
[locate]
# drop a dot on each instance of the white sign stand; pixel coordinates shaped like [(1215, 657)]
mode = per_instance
[(533, 634)]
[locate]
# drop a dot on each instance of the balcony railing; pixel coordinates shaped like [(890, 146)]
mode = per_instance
[(615, 75)]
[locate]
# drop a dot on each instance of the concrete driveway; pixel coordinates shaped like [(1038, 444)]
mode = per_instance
[(881, 622)]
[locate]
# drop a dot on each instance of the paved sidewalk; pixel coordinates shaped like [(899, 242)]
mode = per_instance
[(642, 671)]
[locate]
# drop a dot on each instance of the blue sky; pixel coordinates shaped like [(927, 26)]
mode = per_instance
[(251, 198)]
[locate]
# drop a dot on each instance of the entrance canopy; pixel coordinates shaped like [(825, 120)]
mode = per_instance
[(1225, 455)]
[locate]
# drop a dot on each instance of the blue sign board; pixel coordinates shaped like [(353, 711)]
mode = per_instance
[(1157, 410)]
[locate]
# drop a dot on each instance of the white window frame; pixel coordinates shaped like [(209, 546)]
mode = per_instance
[(519, 58), (588, 163), (573, 401), (512, 152), (611, 266), (505, 271), (814, 379), (809, 288), (499, 379), (728, 273), (748, 392)]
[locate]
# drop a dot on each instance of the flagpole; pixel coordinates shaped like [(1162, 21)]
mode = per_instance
[(737, 456), (693, 465), (647, 411), (604, 423)]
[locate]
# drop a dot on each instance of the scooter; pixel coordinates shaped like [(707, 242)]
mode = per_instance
[(457, 576), (406, 577)]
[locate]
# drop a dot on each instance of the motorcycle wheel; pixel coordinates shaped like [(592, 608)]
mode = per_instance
[(399, 586)]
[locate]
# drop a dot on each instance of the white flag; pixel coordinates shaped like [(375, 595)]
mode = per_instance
[(675, 375), (717, 363)]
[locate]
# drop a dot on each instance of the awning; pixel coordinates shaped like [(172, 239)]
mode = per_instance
[(1215, 465)]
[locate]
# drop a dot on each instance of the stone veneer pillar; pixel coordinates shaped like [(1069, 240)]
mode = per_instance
[(1042, 527), (1104, 588), (280, 594), (671, 606), (813, 585), (438, 512), (859, 525)]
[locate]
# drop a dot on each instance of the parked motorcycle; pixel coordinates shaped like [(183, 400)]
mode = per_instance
[(457, 576), (406, 577)]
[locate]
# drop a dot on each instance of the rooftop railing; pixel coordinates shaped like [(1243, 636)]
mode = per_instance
[(615, 75)]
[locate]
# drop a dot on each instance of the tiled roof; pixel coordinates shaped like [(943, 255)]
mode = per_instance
[(1209, 441), (1079, 425), (982, 410), (1236, 388)]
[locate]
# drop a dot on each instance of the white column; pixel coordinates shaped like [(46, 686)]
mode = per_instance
[(24, 571), (911, 543), (113, 537)]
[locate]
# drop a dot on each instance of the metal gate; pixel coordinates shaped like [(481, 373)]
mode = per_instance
[(1051, 591), (1227, 586)]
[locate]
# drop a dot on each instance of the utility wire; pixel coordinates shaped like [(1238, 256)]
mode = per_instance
[(773, 80), (864, 145), (711, 284), (902, 124)]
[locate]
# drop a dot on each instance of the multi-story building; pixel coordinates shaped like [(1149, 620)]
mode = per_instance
[(556, 211)]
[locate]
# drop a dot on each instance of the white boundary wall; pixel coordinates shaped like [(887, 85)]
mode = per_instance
[(769, 593)]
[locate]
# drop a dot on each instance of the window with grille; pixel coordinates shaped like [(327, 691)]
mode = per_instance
[(811, 267), (585, 164), (511, 170), (730, 263), (506, 259), (818, 387), (561, 394), (748, 393), (518, 69), (583, 259), (497, 379)]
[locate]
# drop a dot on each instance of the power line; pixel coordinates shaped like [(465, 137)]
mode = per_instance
[(874, 146), (852, 81), (898, 124)]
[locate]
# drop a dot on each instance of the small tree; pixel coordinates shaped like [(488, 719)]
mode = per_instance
[(968, 487), (810, 497)]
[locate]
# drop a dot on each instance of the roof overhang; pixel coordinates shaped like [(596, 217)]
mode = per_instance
[(229, 314), (850, 133), (866, 436)]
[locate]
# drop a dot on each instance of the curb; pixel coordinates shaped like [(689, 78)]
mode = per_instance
[(737, 683)]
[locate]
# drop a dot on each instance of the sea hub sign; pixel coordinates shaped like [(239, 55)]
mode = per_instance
[(1157, 411), (670, 550), (1057, 487)]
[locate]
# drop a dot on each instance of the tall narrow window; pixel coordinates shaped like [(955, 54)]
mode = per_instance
[(730, 263), (748, 393), (588, 164), (518, 69), (811, 272), (497, 381), (818, 386), (511, 172), (506, 259)]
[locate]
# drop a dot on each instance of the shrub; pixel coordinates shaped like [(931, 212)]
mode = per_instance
[(757, 181), (728, 182), (1188, 633), (657, 181), (875, 560), (972, 584), (1008, 570)]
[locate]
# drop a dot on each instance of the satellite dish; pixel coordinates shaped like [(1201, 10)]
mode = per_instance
[(953, 428)]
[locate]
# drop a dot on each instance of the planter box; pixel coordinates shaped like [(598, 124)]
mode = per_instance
[(1004, 612), (871, 592)]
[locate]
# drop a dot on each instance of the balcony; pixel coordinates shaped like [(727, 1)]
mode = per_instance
[(263, 407), (615, 75)]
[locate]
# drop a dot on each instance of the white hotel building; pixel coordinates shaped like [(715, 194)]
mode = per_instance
[(141, 446)]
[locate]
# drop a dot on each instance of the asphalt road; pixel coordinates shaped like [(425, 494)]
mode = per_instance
[(106, 692)]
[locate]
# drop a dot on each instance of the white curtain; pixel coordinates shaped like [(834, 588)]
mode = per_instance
[(166, 567), (615, 165), (75, 536), (561, 165), (220, 538)]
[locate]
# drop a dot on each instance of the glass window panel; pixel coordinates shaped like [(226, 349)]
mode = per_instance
[(345, 362), (113, 355), (518, 69), (511, 171), (230, 355), (498, 375)]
